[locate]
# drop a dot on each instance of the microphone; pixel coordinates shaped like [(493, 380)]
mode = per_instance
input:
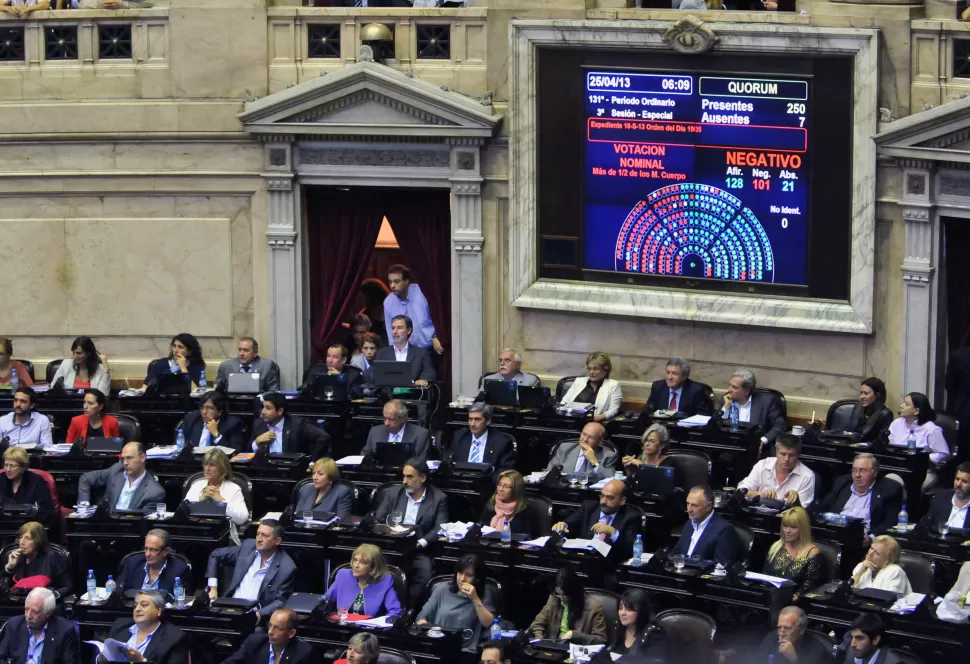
[(554, 476), (367, 522), (58, 384), (262, 453), (473, 533)]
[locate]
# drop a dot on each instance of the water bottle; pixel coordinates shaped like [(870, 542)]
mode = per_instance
[(14, 381), (638, 551), (506, 534), (202, 380), (495, 632), (109, 586), (903, 519), (92, 586), (771, 658), (179, 592), (735, 416), (911, 441), (180, 441)]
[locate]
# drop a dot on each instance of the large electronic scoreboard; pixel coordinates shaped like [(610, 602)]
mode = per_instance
[(697, 175)]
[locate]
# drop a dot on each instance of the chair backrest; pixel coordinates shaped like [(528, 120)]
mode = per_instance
[(242, 481), (694, 466), (905, 657), (294, 498), (394, 656), (52, 368), (920, 570), (831, 553), (840, 412), (823, 639), (777, 394), (709, 393), (950, 430), (747, 538), (377, 494), (611, 609), (171, 554), (690, 634), (542, 510), (563, 386), (51, 486), (151, 365), (129, 427), (400, 582), (29, 366)]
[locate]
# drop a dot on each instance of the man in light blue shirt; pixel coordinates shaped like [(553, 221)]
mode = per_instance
[(23, 426), (406, 299)]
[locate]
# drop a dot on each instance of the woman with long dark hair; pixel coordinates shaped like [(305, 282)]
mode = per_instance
[(184, 358), (638, 634), (85, 368), (466, 602), (870, 417), (93, 422), (916, 419), (569, 615)]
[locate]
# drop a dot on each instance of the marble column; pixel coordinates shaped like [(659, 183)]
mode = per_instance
[(467, 286), (919, 287), (285, 280)]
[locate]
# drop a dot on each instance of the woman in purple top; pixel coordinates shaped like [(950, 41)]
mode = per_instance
[(367, 587), (917, 415)]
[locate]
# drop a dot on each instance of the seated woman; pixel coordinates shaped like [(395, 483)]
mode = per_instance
[(369, 346), (7, 366), (362, 648), (509, 502), (870, 417), (569, 615), (323, 494), (794, 556), (638, 634), (917, 419), (465, 603), (184, 358), (367, 587), (216, 485), (85, 369), (653, 452), (93, 423), (880, 569), (21, 487), (212, 425), (597, 388), (34, 557)]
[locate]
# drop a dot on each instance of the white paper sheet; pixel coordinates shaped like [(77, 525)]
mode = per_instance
[(776, 581), (694, 421), (112, 649), (381, 622), (538, 542), (230, 452), (352, 460), (594, 544), (161, 451)]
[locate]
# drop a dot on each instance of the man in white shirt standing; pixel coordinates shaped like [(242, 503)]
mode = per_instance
[(783, 476)]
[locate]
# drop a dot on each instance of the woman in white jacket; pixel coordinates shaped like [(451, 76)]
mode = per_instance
[(880, 569), (597, 388), (85, 369)]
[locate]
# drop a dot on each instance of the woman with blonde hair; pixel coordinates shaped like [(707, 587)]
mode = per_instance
[(323, 493), (509, 503), (597, 388), (881, 568), (367, 587), (794, 556), (216, 485)]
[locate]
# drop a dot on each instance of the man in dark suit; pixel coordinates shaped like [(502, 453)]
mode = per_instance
[(127, 485), (338, 363), (56, 639), (262, 572), (212, 425), (952, 507), (762, 410), (167, 643), (280, 636), (866, 495), (480, 444), (609, 520), (155, 569), (707, 535), (958, 396), (400, 350), (280, 433), (789, 643), (587, 455), (422, 506), (868, 632), (248, 361), (678, 392), (396, 429)]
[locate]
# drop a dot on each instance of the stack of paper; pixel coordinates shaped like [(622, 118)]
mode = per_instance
[(59, 450), (776, 581), (161, 452), (381, 622), (353, 460), (229, 451), (694, 421), (594, 544), (538, 542)]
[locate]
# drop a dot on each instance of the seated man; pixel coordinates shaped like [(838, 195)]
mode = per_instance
[(494, 652), (280, 433), (248, 361), (338, 363), (609, 520), (127, 485), (707, 535), (397, 429), (262, 572), (868, 632), (23, 426), (480, 444), (789, 644), (588, 455), (865, 495), (422, 506), (761, 410), (155, 569), (509, 369), (364, 360), (147, 637), (279, 638), (212, 425), (783, 476), (400, 350), (39, 636), (950, 507), (678, 392)]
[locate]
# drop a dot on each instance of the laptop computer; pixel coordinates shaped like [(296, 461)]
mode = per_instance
[(658, 480), (501, 393), (303, 603), (337, 384), (208, 509), (390, 454), (533, 397), (104, 445), (169, 383), (243, 383), (388, 373)]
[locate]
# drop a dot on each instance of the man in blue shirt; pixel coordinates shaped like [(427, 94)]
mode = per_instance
[(406, 299), (27, 638)]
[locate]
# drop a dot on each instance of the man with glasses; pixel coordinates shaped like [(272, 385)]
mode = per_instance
[(493, 652), (127, 485), (608, 520), (865, 495), (155, 569), (278, 645), (510, 368), (588, 455), (788, 643)]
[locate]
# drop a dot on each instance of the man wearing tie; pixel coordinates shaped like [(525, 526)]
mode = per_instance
[(396, 429), (588, 455), (479, 444), (248, 361), (609, 520), (677, 392)]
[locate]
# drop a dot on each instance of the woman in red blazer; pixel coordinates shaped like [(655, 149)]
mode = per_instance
[(93, 423)]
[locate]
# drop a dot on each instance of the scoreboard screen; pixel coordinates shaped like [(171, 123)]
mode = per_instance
[(697, 175)]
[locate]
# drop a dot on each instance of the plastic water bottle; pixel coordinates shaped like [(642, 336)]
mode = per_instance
[(180, 441), (506, 534), (911, 440), (735, 416), (903, 519), (92, 586), (14, 381), (495, 632), (202, 380), (638, 551), (179, 592), (109, 586)]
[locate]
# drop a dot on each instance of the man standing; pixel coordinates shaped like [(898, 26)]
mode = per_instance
[(865, 495), (788, 644), (147, 638), (278, 645), (402, 350), (707, 535), (248, 361), (677, 392), (406, 299), (23, 426), (278, 433), (155, 569), (480, 444), (396, 429), (127, 485), (783, 476), (39, 637), (587, 455)]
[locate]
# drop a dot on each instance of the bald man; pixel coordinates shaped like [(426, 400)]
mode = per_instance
[(279, 644), (127, 485), (587, 455), (608, 520)]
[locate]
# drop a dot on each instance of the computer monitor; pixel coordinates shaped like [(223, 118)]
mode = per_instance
[(388, 373), (658, 480), (243, 383), (102, 445), (533, 397), (390, 454), (169, 383), (334, 384), (501, 393)]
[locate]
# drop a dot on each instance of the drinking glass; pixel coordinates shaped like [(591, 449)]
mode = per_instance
[(944, 529), (679, 562), (328, 392), (395, 518), (307, 516), (573, 480), (718, 498), (583, 480), (160, 509), (342, 614)]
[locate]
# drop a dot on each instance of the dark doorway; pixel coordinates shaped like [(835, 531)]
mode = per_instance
[(956, 267)]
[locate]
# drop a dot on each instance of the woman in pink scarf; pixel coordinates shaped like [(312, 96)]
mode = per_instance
[(509, 502)]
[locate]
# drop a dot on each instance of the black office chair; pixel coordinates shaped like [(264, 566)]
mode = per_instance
[(151, 365), (709, 392), (393, 656), (610, 602), (693, 466), (295, 497), (905, 657), (51, 370), (448, 578), (840, 412), (951, 430), (400, 582), (563, 386), (823, 639), (129, 427), (54, 548), (171, 554), (777, 394), (29, 366), (747, 539), (242, 481), (542, 509), (377, 494), (920, 570), (831, 553), (690, 634)]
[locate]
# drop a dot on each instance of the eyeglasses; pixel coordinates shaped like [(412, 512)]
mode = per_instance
[(152, 550), (861, 471), (11, 466), (782, 629)]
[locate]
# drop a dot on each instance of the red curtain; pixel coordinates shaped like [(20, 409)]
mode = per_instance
[(956, 240)]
